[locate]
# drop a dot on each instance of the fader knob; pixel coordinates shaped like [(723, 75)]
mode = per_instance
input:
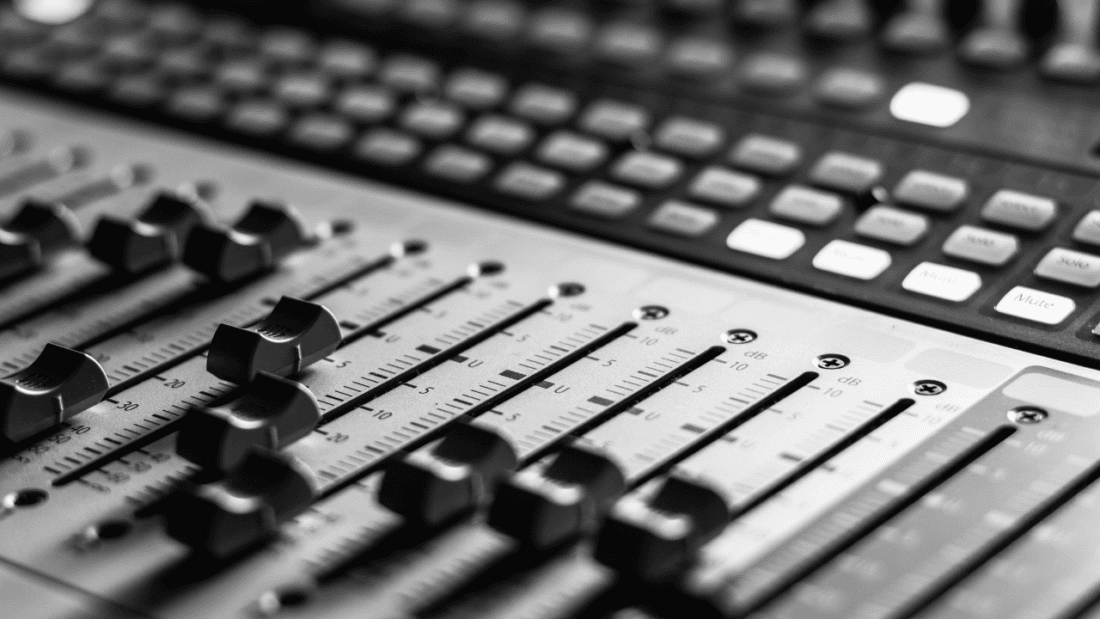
[(155, 238), (653, 539), (543, 506), (294, 335), (220, 519), (263, 236), (59, 384), (452, 476), (36, 231), (273, 413)]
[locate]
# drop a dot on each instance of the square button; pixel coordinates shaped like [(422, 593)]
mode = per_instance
[(852, 260), (1035, 305), (806, 205), (928, 104), (766, 239), (683, 219), (942, 282), (725, 187), (766, 155), (646, 169)]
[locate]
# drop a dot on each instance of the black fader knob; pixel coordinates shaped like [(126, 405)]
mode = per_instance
[(653, 538), (155, 238), (37, 230), (294, 335), (557, 500), (59, 384), (267, 233), (452, 476), (222, 518), (273, 413)]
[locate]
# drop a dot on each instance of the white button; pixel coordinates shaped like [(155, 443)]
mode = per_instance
[(689, 137), (457, 164), (699, 56), (1020, 210), (528, 181), (767, 239), (933, 191), (560, 28), (981, 245), (942, 282), (572, 151), (683, 219), (435, 120), (544, 104), (647, 169), (614, 120), (725, 187), (409, 73), (604, 200), (476, 88), (766, 155), (1071, 267), (892, 225), (1088, 229), (629, 43), (808, 206), (852, 260), (928, 104), (500, 134), (1035, 305)]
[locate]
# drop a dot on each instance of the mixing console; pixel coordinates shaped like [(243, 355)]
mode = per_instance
[(622, 310)]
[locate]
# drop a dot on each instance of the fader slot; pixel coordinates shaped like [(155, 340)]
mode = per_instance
[(1028, 580), (24, 297), (76, 324), (979, 529), (861, 516)]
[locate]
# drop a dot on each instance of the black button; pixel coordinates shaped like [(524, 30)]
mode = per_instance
[(451, 477), (263, 236), (154, 239), (222, 518), (549, 504), (294, 335), (36, 231), (59, 384), (273, 413), (654, 539)]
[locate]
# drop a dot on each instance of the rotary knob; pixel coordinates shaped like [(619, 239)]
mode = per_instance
[(558, 499), (263, 236), (294, 335), (39, 229), (59, 384), (223, 518), (273, 413), (654, 538), (452, 476), (154, 239)]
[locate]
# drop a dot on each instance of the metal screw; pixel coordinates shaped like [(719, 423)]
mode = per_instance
[(929, 387), (1027, 415), (832, 361), (567, 289), (739, 336), (650, 312)]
